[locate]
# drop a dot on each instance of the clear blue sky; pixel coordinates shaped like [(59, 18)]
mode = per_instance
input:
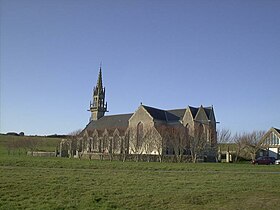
[(164, 53)]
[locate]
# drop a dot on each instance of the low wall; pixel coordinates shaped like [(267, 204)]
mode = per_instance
[(41, 154), (135, 157)]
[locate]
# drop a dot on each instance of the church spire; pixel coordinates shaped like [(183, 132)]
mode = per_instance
[(98, 107), (99, 81)]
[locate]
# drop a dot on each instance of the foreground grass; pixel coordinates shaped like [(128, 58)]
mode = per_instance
[(58, 183), (61, 183)]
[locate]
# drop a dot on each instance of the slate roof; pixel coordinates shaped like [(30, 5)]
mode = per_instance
[(165, 115), (278, 130), (193, 110), (208, 111), (110, 121), (175, 114), (121, 121), (157, 114)]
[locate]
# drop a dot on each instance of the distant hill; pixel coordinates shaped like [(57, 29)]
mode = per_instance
[(22, 134)]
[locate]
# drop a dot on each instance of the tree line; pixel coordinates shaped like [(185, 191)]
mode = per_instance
[(246, 144)]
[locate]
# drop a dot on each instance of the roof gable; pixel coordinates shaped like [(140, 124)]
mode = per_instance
[(201, 115), (165, 115), (193, 111), (277, 131), (155, 113), (267, 135), (175, 114), (109, 122), (139, 114)]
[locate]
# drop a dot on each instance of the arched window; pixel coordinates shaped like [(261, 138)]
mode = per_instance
[(139, 134), (200, 130), (95, 143), (90, 144), (116, 143), (105, 143)]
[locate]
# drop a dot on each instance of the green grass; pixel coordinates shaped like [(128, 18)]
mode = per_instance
[(61, 183), (43, 143)]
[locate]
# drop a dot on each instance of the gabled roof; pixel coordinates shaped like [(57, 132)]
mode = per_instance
[(121, 121), (267, 134), (193, 110), (157, 114), (110, 122), (165, 115), (175, 114), (208, 111), (277, 130)]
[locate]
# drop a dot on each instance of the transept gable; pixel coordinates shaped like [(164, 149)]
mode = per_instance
[(201, 115), (140, 115), (188, 117)]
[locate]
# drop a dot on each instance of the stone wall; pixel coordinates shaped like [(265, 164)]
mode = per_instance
[(41, 154)]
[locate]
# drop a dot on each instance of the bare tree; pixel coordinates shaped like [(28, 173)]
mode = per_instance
[(224, 136), (197, 146), (153, 142), (253, 144), (30, 144), (160, 142), (125, 145), (180, 141), (75, 142), (248, 144), (137, 143), (12, 145), (198, 143), (239, 140)]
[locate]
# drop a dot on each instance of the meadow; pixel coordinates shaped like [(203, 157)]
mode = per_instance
[(62, 183)]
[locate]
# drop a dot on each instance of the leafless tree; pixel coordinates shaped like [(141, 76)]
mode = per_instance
[(179, 140), (160, 142), (240, 142), (30, 144), (137, 143), (125, 146), (75, 142), (153, 142), (253, 144), (224, 136), (198, 143), (197, 146), (248, 144), (13, 145)]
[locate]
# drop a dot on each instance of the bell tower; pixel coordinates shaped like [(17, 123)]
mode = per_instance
[(97, 105)]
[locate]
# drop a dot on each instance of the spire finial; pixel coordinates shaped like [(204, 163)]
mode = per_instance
[(99, 81)]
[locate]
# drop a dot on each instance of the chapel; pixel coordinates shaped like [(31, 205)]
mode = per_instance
[(149, 130)]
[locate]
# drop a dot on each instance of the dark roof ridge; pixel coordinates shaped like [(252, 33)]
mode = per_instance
[(175, 109), (278, 130), (164, 109), (153, 107), (116, 115)]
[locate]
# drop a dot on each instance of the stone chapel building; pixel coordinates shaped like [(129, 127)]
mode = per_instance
[(148, 131)]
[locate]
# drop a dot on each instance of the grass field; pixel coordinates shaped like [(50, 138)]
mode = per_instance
[(60, 183)]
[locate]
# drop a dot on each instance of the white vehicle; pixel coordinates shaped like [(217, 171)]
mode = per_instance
[(277, 162)]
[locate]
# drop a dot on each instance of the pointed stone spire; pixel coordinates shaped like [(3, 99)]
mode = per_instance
[(98, 106), (99, 81)]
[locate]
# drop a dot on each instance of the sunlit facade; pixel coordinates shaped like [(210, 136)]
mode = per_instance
[(271, 143)]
